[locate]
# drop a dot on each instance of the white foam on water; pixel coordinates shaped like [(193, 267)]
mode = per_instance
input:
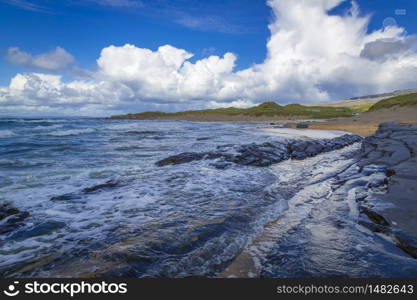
[(45, 120), (312, 176), (6, 133), (127, 126), (304, 133), (69, 132), (46, 127)]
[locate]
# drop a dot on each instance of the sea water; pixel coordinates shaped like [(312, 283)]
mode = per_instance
[(175, 221)]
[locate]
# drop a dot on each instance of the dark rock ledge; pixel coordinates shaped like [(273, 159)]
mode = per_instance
[(108, 185), (11, 218), (265, 154), (394, 148)]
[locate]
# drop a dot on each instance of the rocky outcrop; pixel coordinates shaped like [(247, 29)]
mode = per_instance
[(265, 154), (108, 185), (394, 148), (7, 210), (11, 218), (302, 149)]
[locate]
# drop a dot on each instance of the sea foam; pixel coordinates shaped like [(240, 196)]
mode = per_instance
[(69, 132), (6, 133)]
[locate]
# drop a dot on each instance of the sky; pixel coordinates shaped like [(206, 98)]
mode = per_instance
[(104, 57)]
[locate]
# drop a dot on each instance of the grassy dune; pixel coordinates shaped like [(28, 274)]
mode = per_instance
[(272, 109), (265, 109), (362, 107), (398, 101)]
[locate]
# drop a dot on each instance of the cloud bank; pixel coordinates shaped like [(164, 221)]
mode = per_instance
[(312, 56)]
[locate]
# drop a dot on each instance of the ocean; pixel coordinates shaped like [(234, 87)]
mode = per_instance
[(95, 204)]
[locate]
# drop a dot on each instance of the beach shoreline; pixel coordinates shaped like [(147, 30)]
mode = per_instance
[(365, 124), (242, 187), (368, 123)]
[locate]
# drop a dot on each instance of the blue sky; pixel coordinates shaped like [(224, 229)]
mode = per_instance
[(82, 29)]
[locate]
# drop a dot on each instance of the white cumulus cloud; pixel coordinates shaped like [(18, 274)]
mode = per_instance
[(312, 56), (165, 74)]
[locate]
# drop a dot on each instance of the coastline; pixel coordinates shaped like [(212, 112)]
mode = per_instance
[(285, 191), (365, 124), (382, 200), (368, 123)]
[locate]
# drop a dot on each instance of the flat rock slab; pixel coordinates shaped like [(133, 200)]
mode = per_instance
[(395, 147)]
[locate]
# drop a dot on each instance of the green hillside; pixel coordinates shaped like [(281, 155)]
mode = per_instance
[(265, 109), (398, 101)]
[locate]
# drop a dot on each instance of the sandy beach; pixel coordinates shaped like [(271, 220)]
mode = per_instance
[(368, 123)]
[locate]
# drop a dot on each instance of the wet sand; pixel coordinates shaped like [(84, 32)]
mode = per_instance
[(356, 128)]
